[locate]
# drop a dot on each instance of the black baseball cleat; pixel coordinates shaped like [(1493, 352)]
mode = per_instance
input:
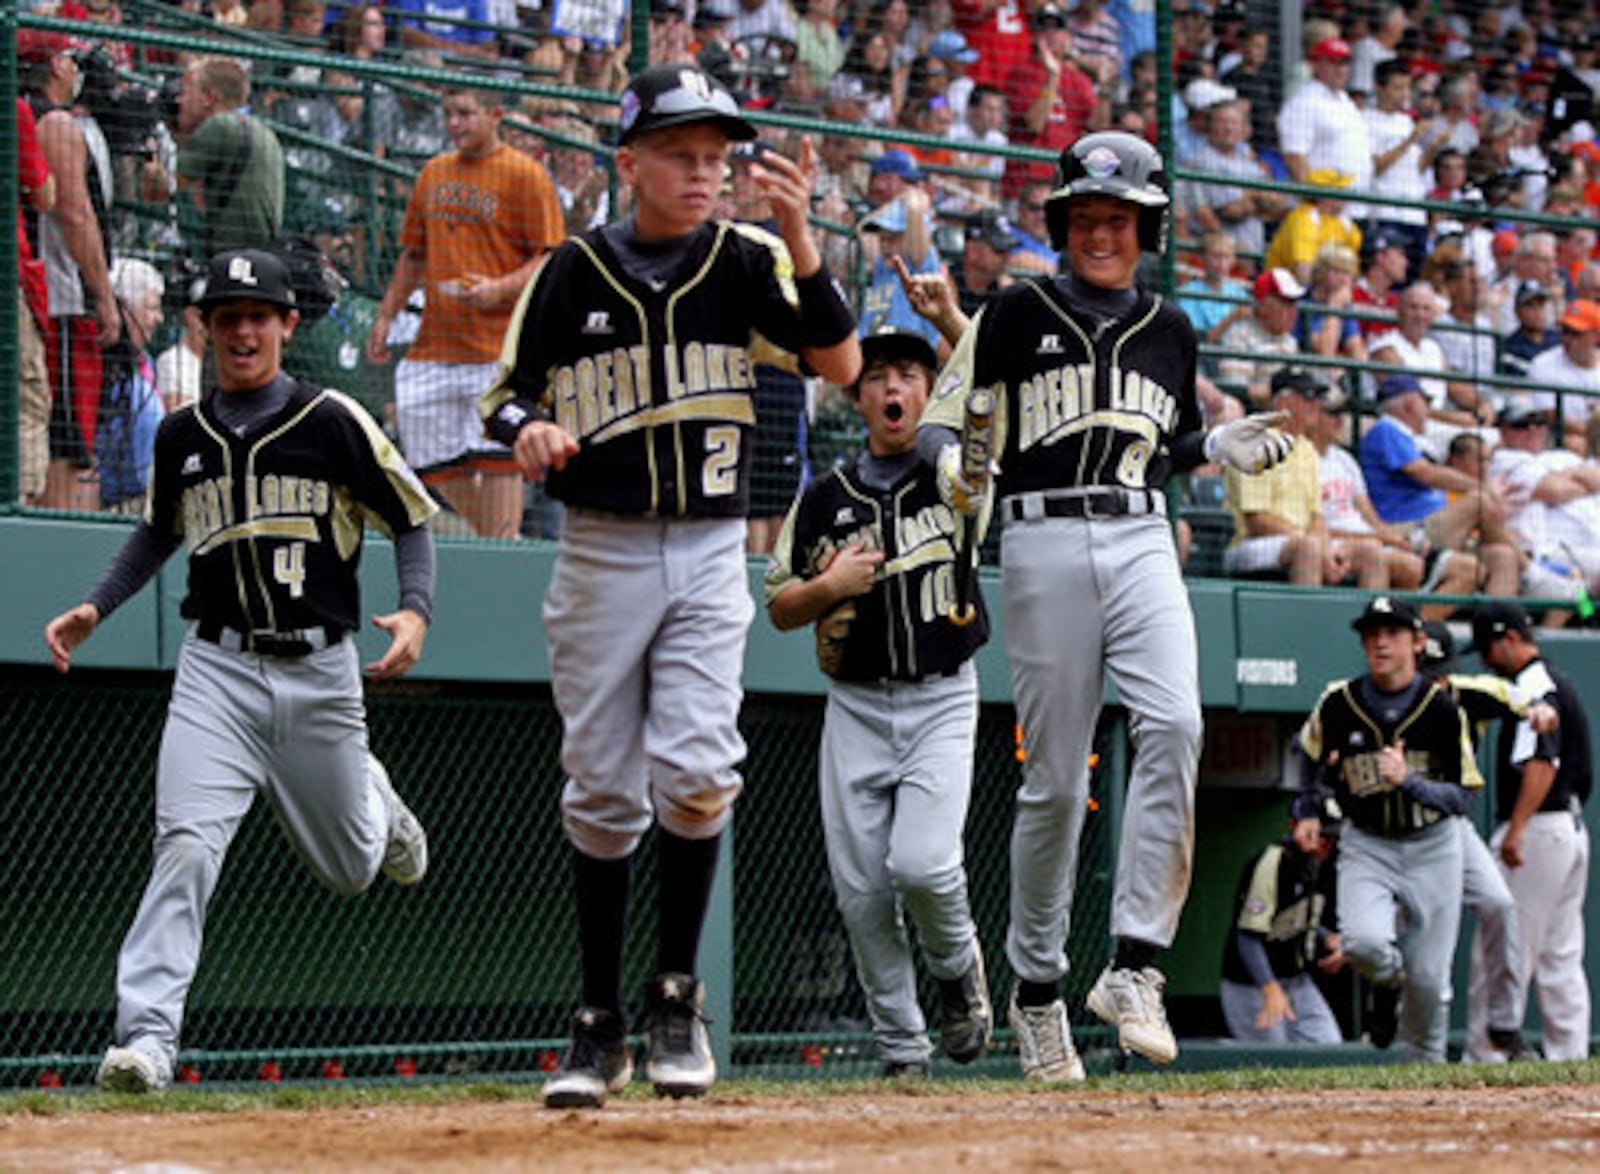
[(598, 1062), (1383, 1014), (906, 1070), (678, 1058), (966, 1017), (1509, 1041)]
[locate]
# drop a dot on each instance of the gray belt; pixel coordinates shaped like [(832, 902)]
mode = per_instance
[(1099, 502)]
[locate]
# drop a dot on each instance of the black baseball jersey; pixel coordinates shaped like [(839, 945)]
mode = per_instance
[(656, 384), (274, 519), (902, 630), (1568, 746), (1438, 747), (1083, 399), (1287, 897)]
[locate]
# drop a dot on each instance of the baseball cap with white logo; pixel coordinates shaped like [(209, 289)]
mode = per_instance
[(676, 95), (246, 275)]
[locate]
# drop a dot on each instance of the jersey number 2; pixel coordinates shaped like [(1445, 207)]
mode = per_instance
[(289, 568), (719, 476)]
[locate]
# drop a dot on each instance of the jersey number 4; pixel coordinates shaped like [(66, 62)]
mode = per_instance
[(289, 568)]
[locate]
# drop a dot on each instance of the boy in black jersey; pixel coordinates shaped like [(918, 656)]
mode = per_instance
[(868, 553), (630, 383), (269, 482), (1398, 752)]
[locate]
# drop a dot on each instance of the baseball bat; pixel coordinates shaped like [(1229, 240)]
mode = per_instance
[(977, 451)]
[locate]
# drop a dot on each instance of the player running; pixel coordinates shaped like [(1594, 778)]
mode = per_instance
[(269, 482), (630, 383), (1095, 378)]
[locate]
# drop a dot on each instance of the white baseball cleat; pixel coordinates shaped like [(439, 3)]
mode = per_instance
[(1044, 1042), (405, 856), (129, 1070), (1131, 1001)]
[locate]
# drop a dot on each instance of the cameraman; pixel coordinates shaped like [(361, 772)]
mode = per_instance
[(230, 164)]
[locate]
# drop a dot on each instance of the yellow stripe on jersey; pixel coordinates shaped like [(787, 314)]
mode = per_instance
[(732, 407), (301, 528)]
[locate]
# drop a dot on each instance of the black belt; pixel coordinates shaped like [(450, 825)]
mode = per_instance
[(268, 643), (1085, 503)]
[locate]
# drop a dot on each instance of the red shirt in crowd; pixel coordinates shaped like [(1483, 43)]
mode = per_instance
[(1000, 35), (1068, 118)]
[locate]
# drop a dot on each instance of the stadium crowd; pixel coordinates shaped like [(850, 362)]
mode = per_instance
[(1436, 355)]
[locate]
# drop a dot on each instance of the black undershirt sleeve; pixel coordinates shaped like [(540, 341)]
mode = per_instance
[(414, 568), (132, 567)]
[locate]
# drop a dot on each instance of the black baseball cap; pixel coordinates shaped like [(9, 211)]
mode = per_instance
[(1438, 648), (676, 95), (993, 229), (888, 341), (1385, 611), (1299, 380), (1532, 290), (1493, 620), (246, 275), (1520, 415)]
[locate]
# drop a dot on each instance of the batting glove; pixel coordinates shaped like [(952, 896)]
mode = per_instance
[(957, 492), (1251, 445)]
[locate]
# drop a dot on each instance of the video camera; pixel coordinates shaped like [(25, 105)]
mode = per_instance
[(128, 110)]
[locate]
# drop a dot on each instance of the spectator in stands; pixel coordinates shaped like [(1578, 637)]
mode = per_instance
[(180, 368), (1255, 91), (1211, 297), (360, 32), (1385, 266), (1098, 43), (231, 13), (1327, 328), (1557, 519), (1443, 509), (1238, 211), (762, 18), (230, 164), (670, 42), (71, 242), (1319, 219), (904, 230), (479, 223), (1412, 344), (819, 49), (264, 16), (1348, 511), (1465, 334), (582, 184), (985, 125), (1051, 99), (981, 273), (131, 407), (1458, 116), (950, 48), (998, 31), (890, 175), (434, 26), (1320, 127), (1278, 524), (1574, 248), (1403, 148), (1380, 46), (1534, 259), (1574, 366), (1034, 254), (36, 188), (1535, 332), (1263, 328), (870, 58)]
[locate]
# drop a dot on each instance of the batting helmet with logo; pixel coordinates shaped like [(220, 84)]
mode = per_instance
[(1117, 164)]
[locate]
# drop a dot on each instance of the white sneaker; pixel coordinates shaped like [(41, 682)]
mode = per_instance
[(1131, 1000), (405, 856), (678, 1059), (129, 1070), (1044, 1042)]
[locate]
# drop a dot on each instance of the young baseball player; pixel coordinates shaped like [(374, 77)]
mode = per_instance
[(1541, 783), (1398, 754), (630, 384), (1095, 382), (869, 553), (268, 481), (1282, 932)]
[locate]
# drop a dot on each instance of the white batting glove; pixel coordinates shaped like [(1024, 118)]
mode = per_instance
[(957, 492), (1251, 445)]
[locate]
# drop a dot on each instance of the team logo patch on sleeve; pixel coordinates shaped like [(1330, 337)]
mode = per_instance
[(1255, 906)]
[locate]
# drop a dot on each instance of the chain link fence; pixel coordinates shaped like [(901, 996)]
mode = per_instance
[(475, 970)]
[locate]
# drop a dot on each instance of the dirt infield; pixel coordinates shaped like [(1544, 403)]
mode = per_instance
[(924, 1130)]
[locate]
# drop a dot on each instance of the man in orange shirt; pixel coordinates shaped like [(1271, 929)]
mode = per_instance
[(481, 219)]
